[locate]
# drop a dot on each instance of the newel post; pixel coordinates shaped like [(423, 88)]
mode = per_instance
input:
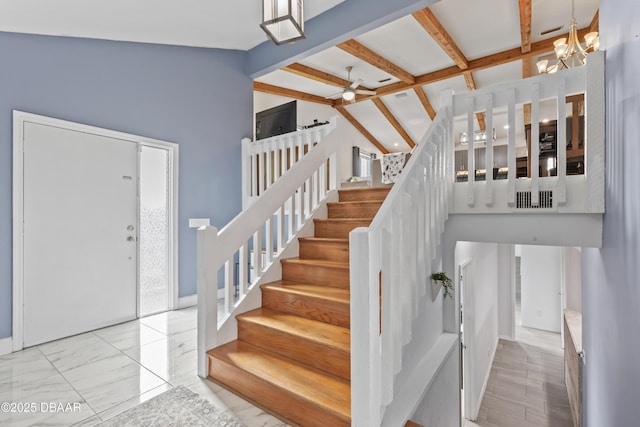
[(365, 334), (207, 295), (594, 152), (246, 172)]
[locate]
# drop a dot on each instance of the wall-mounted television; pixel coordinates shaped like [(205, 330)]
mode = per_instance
[(276, 120)]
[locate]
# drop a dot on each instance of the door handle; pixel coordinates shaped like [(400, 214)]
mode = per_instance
[(131, 239)]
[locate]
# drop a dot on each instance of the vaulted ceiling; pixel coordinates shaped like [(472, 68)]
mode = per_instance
[(454, 44)]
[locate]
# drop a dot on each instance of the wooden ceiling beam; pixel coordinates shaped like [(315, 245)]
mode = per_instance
[(356, 124), (290, 93), (362, 52), (317, 75), (394, 122), (430, 23), (525, 24), (424, 100), (594, 26), (537, 48)]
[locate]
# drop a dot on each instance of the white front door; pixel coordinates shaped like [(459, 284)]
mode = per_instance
[(80, 232)]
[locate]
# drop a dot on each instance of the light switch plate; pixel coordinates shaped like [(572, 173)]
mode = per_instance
[(198, 222)]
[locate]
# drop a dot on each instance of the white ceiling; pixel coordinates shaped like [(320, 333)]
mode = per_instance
[(201, 23)]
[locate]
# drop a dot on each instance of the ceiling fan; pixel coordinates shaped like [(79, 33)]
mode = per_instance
[(351, 89)]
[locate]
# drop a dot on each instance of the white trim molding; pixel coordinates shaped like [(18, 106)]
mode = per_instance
[(6, 346)]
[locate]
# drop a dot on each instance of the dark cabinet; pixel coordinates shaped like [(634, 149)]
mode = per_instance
[(548, 143)]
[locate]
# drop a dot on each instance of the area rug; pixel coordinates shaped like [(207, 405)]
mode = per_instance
[(177, 407)]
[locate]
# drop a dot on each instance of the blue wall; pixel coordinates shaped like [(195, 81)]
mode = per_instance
[(198, 98), (611, 275)]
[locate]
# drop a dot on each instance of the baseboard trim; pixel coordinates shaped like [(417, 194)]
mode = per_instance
[(6, 346), (188, 301), (486, 381), (507, 338)]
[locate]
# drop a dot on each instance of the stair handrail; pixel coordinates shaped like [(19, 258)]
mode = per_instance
[(391, 261), (274, 156), (273, 219)]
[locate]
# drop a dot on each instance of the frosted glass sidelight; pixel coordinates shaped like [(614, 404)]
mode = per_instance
[(154, 231)]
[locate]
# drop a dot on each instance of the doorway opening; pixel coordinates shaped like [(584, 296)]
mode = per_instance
[(466, 323)]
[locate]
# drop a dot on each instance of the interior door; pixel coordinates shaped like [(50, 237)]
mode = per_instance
[(80, 232)]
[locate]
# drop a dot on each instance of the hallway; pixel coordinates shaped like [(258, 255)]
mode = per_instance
[(526, 384)]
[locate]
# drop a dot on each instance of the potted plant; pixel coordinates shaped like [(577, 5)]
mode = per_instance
[(439, 280)]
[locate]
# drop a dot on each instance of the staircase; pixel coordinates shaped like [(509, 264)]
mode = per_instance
[(292, 355)]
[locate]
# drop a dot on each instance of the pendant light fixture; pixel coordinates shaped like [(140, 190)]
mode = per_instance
[(283, 20)]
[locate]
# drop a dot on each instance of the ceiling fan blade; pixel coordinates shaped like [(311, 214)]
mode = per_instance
[(365, 92), (333, 96), (356, 83)]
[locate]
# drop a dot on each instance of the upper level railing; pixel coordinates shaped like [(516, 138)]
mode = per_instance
[(391, 260), (266, 160), (553, 190), (390, 265), (243, 251)]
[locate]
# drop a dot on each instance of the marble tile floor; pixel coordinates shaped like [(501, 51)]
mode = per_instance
[(526, 384), (103, 373)]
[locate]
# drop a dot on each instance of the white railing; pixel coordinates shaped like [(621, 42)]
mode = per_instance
[(390, 264), (563, 193), (266, 160), (241, 253)]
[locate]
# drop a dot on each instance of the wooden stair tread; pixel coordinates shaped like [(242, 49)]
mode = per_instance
[(320, 332), (325, 292), (317, 262), (343, 220), (324, 239), (316, 387), (412, 424), (356, 202)]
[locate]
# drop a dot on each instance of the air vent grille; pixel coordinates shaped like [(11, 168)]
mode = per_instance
[(523, 200)]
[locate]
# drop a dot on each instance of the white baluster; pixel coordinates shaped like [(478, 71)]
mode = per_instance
[(243, 260), (471, 157), (535, 144), (561, 146), (254, 174), (489, 151), (511, 119), (228, 286), (281, 228), (268, 233)]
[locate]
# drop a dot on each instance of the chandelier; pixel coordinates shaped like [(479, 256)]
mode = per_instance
[(570, 53)]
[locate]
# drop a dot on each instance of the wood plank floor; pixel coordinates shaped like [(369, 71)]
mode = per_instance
[(526, 384)]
